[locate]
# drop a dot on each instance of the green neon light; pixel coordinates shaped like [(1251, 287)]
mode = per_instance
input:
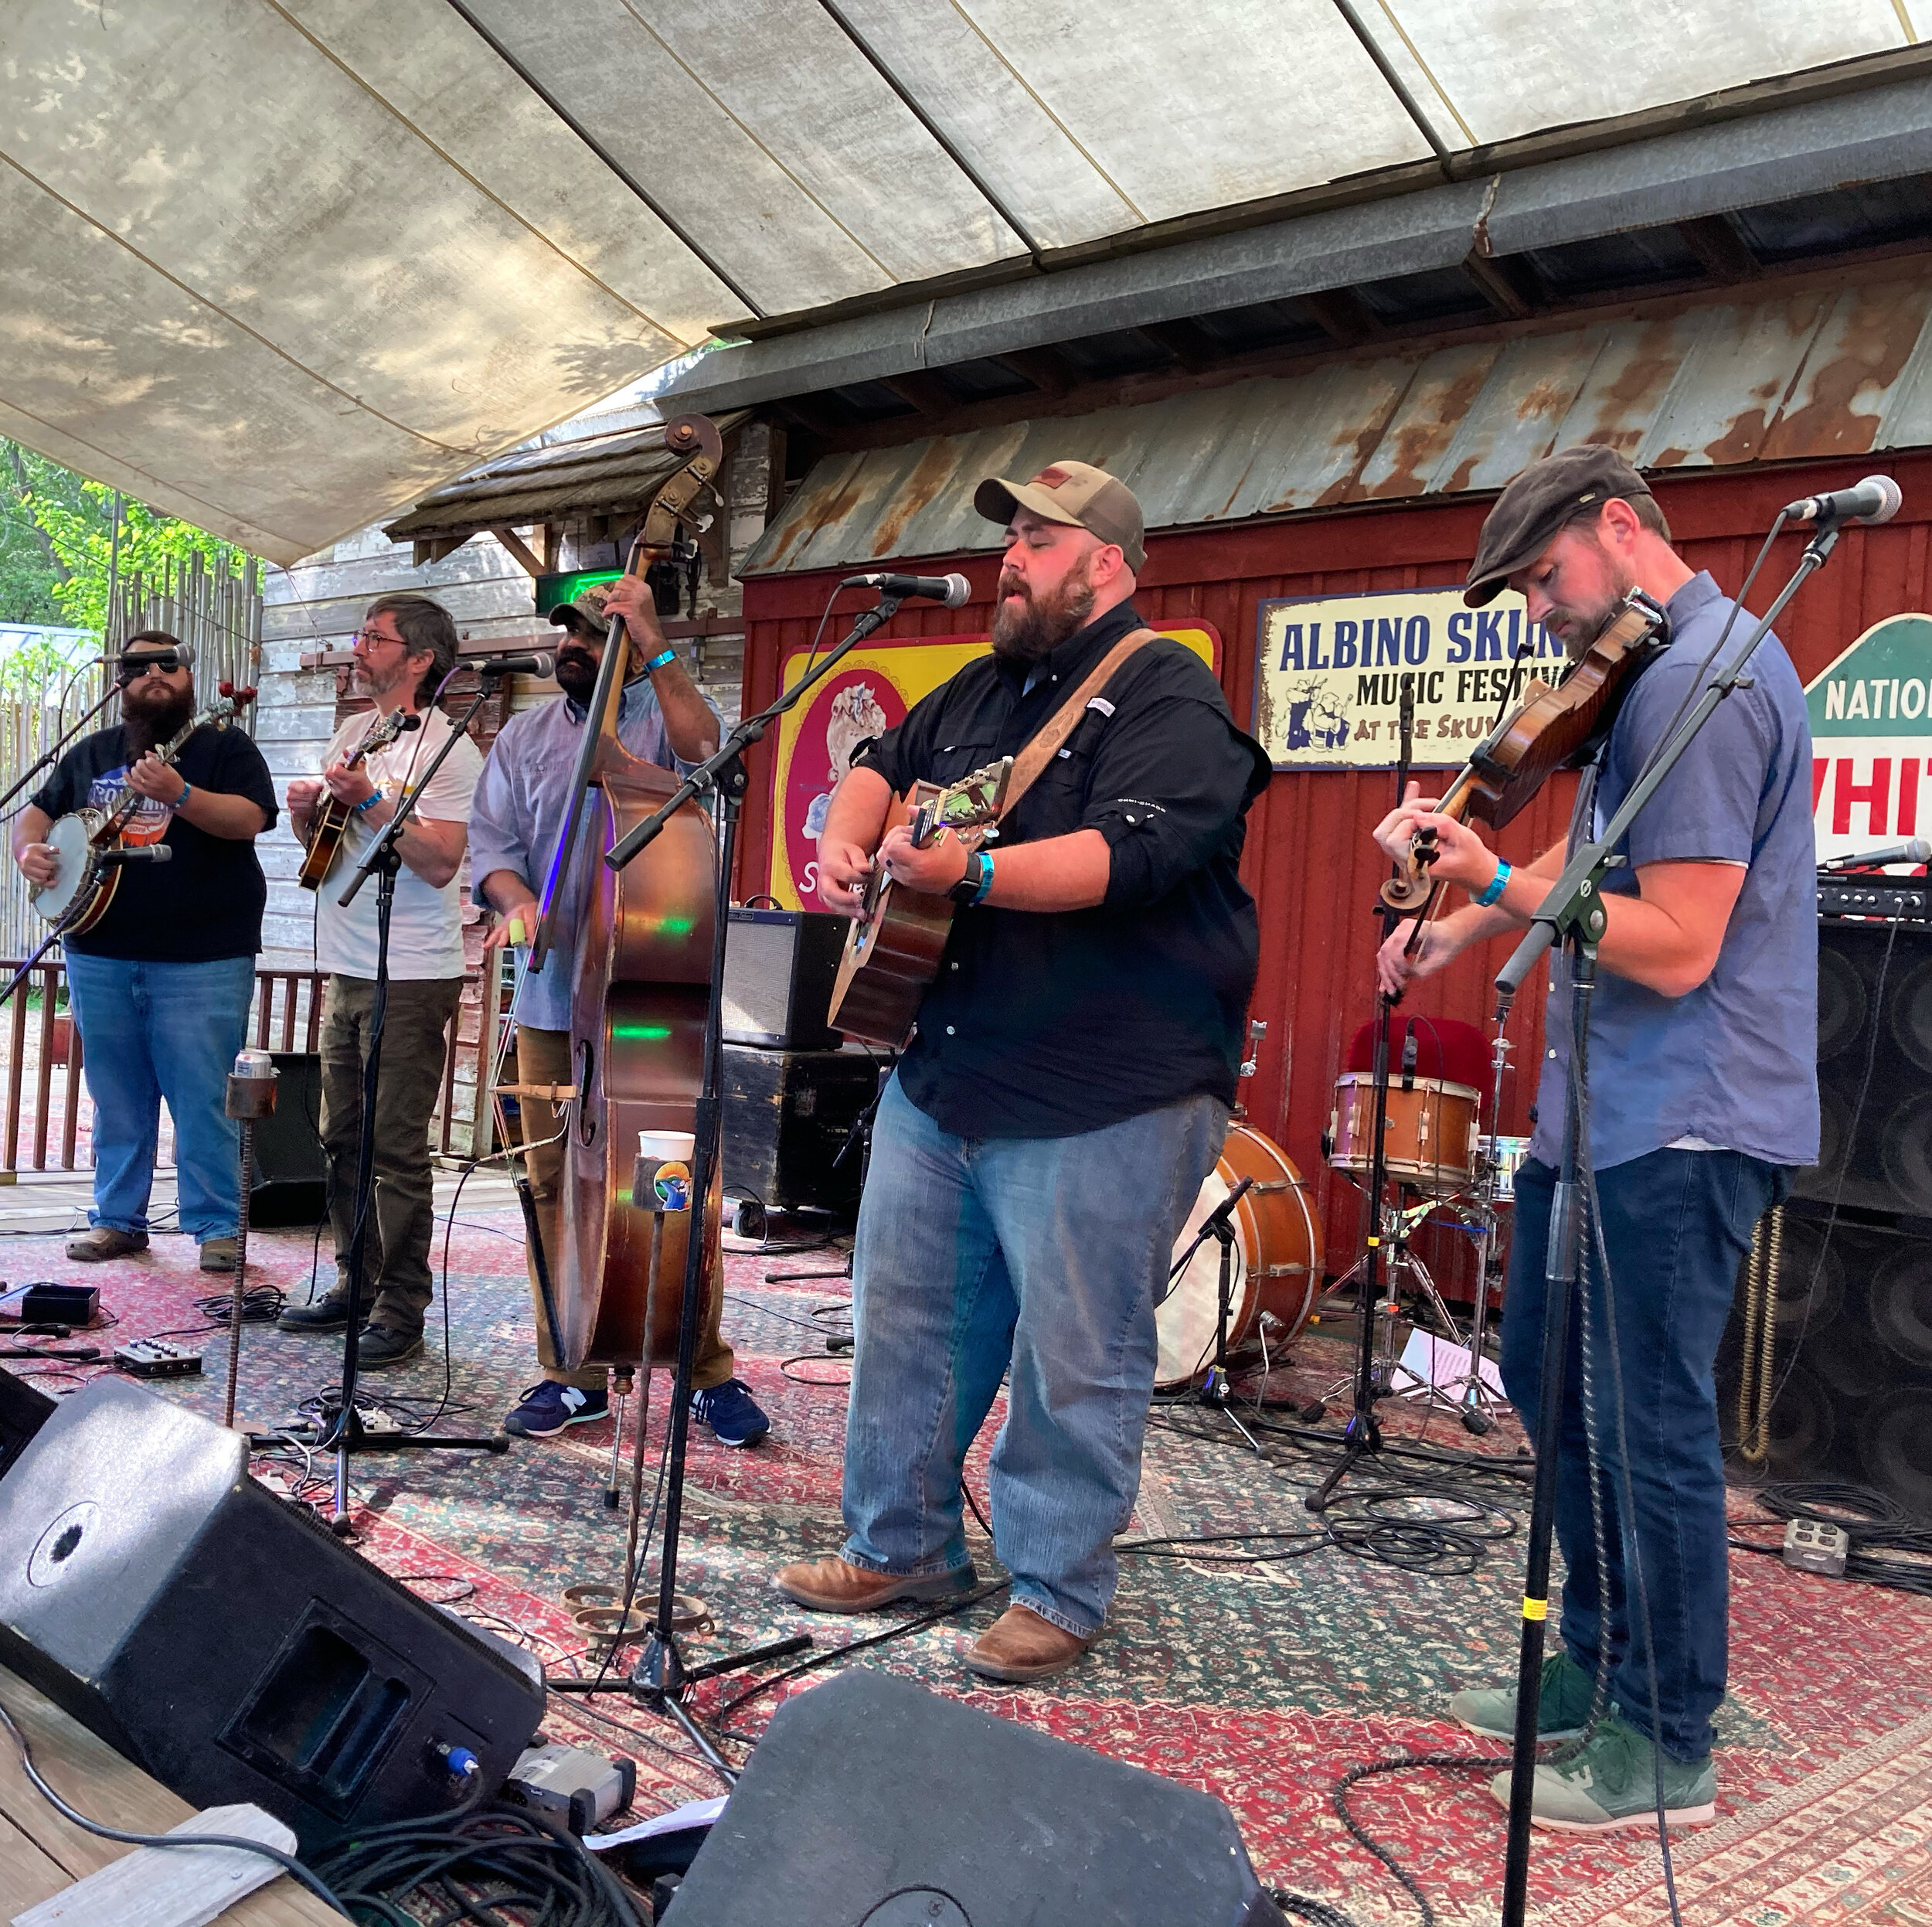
[(567, 587), (670, 926), (650, 1033)]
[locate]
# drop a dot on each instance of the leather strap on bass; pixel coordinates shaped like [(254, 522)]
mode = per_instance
[(1042, 748)]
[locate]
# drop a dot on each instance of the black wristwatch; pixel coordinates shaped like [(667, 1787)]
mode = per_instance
[(970, 885)]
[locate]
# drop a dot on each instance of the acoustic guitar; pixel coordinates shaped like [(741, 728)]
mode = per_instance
[(329, 825), (83, 886), (894, 947)]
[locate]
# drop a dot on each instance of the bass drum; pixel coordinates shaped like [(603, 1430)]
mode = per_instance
[(1276, 1267)]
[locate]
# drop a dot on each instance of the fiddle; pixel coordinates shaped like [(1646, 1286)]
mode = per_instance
[(1555, 726)]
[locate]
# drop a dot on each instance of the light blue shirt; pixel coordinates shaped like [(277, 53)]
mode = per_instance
[(1732, 1063), (517, 815)]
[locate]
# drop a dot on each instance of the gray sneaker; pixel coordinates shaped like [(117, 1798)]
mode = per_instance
[(104, 1242), (1562, 1706), (1611, 1782)]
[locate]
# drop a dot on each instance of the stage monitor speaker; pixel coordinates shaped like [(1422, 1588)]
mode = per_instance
[(226, 1641), (1874, 1068), (291, 1184), (779, 968), (788, 1120), (1851, 1356), (24, 1409), (871, 1802)]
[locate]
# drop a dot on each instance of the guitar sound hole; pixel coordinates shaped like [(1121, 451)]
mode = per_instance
[(586, 1121)]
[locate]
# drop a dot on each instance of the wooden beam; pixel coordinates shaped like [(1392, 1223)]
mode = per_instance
[(1724, 252), (925, 391), (1188, 342), (1342, 315), (1047, 368), (519, 550), (817, 414), (1503, 285)]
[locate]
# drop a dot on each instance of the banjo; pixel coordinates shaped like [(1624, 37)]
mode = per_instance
[(330, 823), (84, 879)]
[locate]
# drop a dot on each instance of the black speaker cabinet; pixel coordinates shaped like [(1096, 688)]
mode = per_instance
[(788, 1117), (779, 968), (870, 1800), (1875, 1008), (290, 1183), (226, 1641), (24, 1409), (1851, 1356)]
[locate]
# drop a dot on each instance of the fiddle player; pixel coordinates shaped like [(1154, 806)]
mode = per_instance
[(406, 647), (1702, 1093), (663, 718), (1066, 1093), (161, 985)]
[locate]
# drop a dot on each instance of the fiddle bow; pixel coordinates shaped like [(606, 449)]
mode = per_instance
[(1555, 726)]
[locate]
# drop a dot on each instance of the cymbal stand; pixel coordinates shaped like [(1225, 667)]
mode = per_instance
[(1476, 1400), (1218, 1225)]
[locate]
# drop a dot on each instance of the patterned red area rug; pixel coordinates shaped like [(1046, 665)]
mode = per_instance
[(1262, 1683)]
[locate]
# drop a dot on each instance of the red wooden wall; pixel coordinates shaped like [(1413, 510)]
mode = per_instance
[(1310, 860)]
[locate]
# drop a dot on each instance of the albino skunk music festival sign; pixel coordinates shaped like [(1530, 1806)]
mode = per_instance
[(1872, 738), (1328, 693)]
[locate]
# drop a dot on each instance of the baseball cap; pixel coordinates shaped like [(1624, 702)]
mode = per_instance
[(1075, 492), (587, 608), (1532, 510)]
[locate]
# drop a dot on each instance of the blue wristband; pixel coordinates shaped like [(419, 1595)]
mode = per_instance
[(985, 875), (658, 662), (1497, 884), (368, 802), (187, 788)]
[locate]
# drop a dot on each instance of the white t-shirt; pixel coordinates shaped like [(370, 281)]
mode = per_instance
[(426, 930)]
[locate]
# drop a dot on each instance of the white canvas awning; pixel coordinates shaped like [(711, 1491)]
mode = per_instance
[(282, 266)]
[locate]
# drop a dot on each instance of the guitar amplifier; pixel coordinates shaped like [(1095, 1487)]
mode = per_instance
[(788, 1118), (290, 1184), (779, 968)]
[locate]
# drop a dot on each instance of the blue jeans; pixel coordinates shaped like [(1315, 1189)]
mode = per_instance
[(1676, 1227), (155, 1030), (1041, 1254)]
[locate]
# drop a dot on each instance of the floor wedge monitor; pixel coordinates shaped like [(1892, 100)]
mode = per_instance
[(871, 1802), (224, 1640)]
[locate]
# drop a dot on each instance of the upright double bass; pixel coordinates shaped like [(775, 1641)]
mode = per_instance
[(640, 991)]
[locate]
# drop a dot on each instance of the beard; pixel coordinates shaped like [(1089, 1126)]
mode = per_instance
[(576, 672), (1038, 628), (151, 713), (1576, 625)]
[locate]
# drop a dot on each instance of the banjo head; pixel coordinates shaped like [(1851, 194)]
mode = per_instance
[(70, 838)]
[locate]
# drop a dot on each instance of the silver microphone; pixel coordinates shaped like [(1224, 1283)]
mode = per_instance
[(1876, 498), (1917, 851), (954, 591), (541, 664)]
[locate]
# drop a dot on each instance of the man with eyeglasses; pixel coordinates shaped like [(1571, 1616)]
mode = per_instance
[(405, 647), (161, 985)]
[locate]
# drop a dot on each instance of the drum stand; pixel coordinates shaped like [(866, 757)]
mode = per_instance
[(1476, 1400), (1218, 1225)]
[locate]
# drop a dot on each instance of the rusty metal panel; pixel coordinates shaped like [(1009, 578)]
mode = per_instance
[(1788, 377)]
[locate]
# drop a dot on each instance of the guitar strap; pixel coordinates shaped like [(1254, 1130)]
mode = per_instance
[(1041, 749)]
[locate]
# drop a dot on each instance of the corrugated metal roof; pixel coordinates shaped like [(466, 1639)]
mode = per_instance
[(1784, 377), (595, 475)]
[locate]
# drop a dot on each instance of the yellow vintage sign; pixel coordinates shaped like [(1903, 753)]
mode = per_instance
[(1331, 671)]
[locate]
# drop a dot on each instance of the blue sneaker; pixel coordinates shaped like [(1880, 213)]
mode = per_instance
[(732, 1413), (548, 1408)]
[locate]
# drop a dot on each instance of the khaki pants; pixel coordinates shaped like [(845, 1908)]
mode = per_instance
[(543, 1057), (402, 1216)]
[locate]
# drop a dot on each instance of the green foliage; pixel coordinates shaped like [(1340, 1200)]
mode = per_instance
[(57, 542)]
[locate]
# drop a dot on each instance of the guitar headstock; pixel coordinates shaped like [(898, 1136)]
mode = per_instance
[(969, 804), (232, 699)]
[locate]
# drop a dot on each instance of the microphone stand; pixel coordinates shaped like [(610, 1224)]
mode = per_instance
[(54, 754), (1572, 913), (1218, 1225), (345, 1434), (660, 1679)]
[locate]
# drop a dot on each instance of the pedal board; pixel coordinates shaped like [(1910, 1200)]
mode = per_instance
[(155, 1358)]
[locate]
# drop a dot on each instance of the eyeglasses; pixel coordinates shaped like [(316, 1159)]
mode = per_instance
[(133, 668), (367, 639)]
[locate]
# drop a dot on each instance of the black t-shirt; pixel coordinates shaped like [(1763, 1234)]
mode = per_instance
[(1050, 1025), (205, 902)]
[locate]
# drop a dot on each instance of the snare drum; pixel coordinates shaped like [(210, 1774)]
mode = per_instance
[(1430, 1132), (1504, 1154), (1276, 1260)]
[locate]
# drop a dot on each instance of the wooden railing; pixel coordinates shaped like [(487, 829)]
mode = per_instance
[(44, 1061)]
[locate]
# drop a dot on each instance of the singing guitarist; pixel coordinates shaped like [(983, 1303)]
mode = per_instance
[(161, 984), (1066, 1092)]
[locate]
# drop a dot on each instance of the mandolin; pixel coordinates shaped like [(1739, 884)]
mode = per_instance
[(1554, 728), (83, 886), (330, 823), (893, 949)]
